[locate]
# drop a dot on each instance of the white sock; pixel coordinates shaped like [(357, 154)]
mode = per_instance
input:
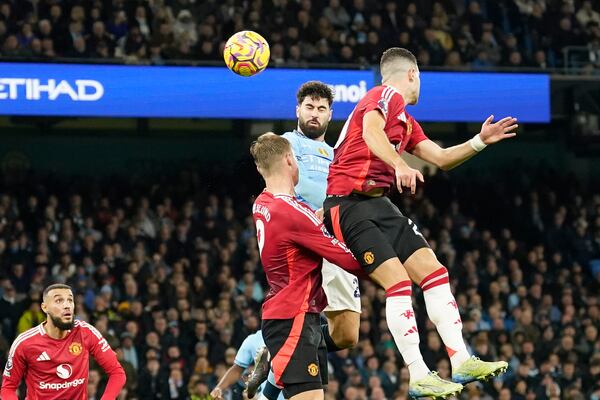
[(403, 326), (443, 312)]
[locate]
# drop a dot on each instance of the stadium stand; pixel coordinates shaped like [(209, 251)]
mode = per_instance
[(169, 271), (450, 33)]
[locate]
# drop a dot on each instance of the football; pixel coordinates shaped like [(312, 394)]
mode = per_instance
[(246, 53)]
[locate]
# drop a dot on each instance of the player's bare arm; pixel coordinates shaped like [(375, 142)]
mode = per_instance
[(451, 157), (379, 144), (232, 375)]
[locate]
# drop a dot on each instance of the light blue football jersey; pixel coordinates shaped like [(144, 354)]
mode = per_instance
[(246, 353), (313, 159)]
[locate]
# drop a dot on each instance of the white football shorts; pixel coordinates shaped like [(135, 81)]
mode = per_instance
[(341, 288)]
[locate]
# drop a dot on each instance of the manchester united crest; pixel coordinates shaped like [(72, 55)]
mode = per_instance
[(369, 258), (313, 369), (75, 348)]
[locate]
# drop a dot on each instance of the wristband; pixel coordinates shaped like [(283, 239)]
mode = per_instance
[(477, 144)]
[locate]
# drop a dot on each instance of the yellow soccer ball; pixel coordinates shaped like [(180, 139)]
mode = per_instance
[(246, 53)]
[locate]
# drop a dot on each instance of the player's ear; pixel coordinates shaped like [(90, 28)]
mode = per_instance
[(298, 111), (412, 74), (289, 158), (330, 114), (44, 307)]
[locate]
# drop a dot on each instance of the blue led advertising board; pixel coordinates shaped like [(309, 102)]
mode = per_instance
[(215, 92)]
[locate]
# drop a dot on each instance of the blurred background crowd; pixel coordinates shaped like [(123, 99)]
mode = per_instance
[(167, 266), (449, 33), (168, 270)]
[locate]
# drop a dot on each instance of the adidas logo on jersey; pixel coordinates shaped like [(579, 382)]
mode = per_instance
[(43, 357), (411, 331)]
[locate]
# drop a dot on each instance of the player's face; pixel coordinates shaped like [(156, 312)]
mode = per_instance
[(313, 115), (60, 308)]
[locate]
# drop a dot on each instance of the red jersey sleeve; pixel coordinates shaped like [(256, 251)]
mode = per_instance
[(107, 359), (386, 100), (309, 232), (417, 135), (13, 372)]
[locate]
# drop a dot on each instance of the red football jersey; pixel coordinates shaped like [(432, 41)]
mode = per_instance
[(292, 243), (57, 369), (354, 167)]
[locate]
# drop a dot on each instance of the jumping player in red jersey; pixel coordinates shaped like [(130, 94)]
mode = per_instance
[(388, 245), (292, 243), (54, 356)]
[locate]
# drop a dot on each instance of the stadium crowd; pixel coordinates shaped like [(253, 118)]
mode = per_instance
[(450, 33), (168, 270)]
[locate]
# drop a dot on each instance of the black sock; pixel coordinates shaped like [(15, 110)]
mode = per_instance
[(270, 391), (331, 346)]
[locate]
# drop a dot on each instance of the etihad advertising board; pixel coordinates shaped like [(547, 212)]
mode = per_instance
[(167, 92), (213, 92)]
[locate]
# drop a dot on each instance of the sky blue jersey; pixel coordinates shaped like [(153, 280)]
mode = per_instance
[(313, 159), (246, 353)]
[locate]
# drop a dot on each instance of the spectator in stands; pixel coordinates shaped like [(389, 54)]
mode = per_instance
[(336, 14), (100, 38), (184, 29), (587, 14)]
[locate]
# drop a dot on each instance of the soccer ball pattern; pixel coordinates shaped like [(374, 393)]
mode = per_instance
[(246, 53)]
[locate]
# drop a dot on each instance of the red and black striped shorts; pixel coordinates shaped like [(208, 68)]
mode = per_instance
[(374, 229), (298, 353)]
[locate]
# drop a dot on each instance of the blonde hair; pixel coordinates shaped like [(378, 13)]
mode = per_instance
[(268, 149)]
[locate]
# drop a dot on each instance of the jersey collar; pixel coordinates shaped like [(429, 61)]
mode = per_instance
[(392, 88), (297, 132)]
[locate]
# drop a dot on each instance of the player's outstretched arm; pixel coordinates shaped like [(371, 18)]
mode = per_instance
[(379, 144), (13, 372), (452, 157), (232, 375)]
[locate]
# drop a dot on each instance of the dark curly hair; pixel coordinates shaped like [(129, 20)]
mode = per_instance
[(315, 90)]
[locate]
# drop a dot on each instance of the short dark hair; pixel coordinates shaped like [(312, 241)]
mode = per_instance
[(55, 286), (394, 54), (315, 90)]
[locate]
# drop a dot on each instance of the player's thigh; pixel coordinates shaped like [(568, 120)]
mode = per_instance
[(403, 234), (351, 220), (294, 347), (421, 264), (341, 288), (310, 395)]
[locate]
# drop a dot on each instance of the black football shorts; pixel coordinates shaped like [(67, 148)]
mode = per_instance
[(373, 228), (298, 353)]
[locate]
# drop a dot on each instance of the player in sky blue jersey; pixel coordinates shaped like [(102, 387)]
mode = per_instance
[(313, 155), (251, 346)]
